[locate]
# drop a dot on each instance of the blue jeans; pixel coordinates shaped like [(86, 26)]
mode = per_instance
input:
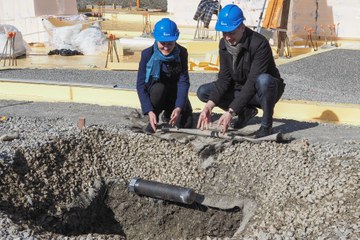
[(268, 92)]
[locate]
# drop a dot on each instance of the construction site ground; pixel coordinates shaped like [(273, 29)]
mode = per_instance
[(58, 180)]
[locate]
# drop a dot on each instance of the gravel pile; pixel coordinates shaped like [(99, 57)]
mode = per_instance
[(330, 76), (51, 172), (121, 79), (302, 190)]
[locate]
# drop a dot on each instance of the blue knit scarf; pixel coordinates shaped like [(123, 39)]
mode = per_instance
[(153, 67)]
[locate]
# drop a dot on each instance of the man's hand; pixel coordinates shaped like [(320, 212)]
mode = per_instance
[(224, 122), (152, 120), (174, 116), (205, 116), (204, 119)]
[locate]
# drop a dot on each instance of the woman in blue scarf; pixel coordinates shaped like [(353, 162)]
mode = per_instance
[(163, 79)]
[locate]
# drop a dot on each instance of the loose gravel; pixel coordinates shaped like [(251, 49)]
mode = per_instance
[(302, 189), (330, 76), (306, 189)]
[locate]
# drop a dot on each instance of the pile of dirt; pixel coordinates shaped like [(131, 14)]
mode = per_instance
[(71, 187), (57, 180), (147, 218)]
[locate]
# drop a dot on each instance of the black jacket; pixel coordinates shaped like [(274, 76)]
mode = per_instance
[(254, 58)]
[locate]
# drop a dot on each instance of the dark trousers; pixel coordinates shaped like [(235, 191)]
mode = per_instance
[(163, 97), (268, 92)]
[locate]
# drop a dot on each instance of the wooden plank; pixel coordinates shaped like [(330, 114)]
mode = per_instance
[(273, 13)]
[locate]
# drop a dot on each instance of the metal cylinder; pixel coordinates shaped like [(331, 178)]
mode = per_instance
[(162, 191)]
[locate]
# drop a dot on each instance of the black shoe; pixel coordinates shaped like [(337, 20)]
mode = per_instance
[(186, 120), (263, 132), (149, 129), (244, 117), (165, 118)]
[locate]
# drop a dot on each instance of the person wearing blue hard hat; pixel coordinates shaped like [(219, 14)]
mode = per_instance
[(163, 79), (248, 77)]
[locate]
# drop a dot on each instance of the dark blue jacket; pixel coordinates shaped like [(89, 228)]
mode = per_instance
[(179, 80)]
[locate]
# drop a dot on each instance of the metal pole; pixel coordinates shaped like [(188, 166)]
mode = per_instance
[(163, 191), (261, 15)]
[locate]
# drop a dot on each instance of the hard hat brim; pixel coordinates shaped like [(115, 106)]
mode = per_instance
[(166, 39), (224, 28)]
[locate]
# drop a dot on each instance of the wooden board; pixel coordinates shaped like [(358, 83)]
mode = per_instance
[(273, 13)]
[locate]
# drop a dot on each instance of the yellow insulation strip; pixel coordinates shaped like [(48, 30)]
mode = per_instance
[(285, 109)]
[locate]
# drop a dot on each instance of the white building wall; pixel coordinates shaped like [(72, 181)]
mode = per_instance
[(184, 11), (55, 7), (25, 15), (344, 14)]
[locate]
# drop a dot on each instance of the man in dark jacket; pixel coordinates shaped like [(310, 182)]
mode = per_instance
[(163, 79), (248, 77)]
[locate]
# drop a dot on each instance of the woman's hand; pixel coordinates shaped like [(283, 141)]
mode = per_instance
[(174, 116), (152, 120)]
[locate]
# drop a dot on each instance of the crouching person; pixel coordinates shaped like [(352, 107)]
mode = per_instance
[(163, 79), (248, 77)]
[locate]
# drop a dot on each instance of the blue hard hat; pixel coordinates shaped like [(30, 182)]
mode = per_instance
[(166, 30), (229, 18)]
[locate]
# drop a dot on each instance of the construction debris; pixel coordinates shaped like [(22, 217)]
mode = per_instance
[(111, 49), (11, 44), (86, 39)]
